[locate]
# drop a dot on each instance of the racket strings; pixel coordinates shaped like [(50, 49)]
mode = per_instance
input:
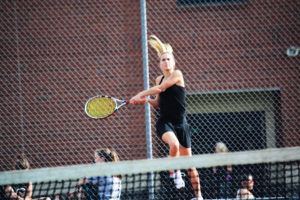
[(100, 107)]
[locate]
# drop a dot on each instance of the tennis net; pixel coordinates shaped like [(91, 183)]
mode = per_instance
[(271, 174)]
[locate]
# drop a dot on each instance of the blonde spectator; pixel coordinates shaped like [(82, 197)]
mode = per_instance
[(222, 175)]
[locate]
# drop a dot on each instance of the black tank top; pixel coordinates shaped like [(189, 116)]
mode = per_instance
[(172, 104)]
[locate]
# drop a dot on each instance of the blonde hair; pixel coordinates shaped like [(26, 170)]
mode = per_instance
[(161, 48), (221, 147)]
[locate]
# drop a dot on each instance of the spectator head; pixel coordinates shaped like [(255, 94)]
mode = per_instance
[(105, 155), (10, 193), (21, 163), (221, 147), (247, 181)]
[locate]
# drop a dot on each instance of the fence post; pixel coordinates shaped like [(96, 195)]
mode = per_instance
[(146, 86)]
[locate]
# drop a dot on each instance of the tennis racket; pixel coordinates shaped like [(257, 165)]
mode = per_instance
[(99, 107)]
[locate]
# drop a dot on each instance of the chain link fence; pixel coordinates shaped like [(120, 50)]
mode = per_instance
[(239, 59)]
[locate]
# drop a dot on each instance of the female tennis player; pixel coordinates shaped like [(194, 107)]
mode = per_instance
[(171, 126)]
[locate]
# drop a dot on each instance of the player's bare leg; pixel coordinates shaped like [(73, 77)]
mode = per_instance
[(193, 174), (170, 138)]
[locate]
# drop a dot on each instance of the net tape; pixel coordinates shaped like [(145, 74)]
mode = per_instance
[(147, 165)]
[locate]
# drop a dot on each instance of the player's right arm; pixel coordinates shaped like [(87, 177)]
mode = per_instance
[(174, 78), (155, 102)]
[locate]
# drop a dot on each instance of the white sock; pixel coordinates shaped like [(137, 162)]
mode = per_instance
[(178, 174)]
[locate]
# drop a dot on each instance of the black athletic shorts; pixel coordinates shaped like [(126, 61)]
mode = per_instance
[(181, 130)]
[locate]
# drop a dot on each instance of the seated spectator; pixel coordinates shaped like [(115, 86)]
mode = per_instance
[(247, 183), (103, 187), (21, 191), (222, 176)]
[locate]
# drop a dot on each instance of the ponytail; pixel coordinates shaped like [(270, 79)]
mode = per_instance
[(160, 47)]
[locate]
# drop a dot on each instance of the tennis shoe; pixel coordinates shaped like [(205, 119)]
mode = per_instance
[(179, 182), (197, 198)]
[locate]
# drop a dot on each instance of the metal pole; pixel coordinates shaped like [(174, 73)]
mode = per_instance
[(146, 86)]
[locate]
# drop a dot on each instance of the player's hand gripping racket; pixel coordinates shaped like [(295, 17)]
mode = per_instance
[(99, 107)]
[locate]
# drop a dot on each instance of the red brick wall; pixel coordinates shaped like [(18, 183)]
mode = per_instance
[(57, 56)]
